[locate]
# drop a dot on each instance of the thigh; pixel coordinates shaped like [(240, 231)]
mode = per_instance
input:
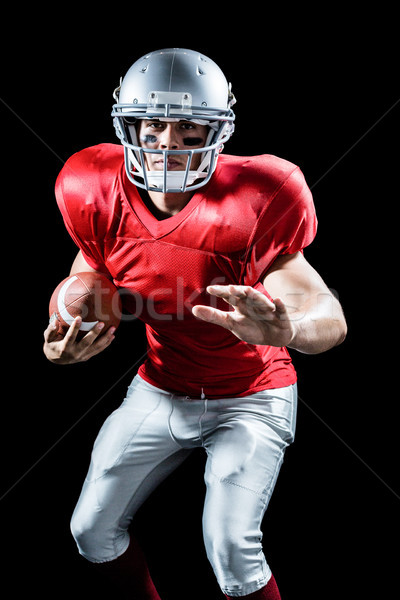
[(132, 454), (247, 446), (135, 435)]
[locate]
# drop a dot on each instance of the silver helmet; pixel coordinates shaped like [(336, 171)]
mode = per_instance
[(176, 84)]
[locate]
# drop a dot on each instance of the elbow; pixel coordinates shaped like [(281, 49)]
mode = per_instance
[(337, 336), (338, 326), (342, 332), (331, 335)]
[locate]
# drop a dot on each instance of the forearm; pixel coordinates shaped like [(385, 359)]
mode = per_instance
[(318, 326)]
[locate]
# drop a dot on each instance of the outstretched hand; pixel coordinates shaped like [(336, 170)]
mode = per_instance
[(255, 319)]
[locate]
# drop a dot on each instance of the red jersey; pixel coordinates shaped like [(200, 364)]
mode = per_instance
[(252, 210)]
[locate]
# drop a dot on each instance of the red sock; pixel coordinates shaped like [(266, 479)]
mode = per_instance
[(130, 574), (268, 592)]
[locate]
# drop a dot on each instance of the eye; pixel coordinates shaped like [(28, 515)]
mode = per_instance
[(152, 124), (155, 125), (187, 126)]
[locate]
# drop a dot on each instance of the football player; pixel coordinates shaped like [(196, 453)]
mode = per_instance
[(207, 249)]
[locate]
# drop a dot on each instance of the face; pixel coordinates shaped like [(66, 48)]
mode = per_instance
[(171, 135)]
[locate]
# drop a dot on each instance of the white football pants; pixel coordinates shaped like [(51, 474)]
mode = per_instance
[(150, 434)]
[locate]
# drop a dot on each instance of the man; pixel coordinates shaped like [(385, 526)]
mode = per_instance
[(208, 251)]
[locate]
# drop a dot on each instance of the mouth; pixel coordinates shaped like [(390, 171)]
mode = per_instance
[(172, 164)]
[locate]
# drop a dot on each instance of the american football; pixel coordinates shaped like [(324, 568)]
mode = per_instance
[(89, 295)]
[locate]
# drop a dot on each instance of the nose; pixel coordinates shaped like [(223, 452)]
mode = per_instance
[(168, 139)]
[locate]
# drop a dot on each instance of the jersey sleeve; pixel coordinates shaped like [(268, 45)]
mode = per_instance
[(286, 225), (77, 196)]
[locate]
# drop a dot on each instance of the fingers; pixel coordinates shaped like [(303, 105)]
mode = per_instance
[(95, 342), (243, 297), (213, 315), (247, 302), (230, 293), (73, 330), (70, 349), (50, 332), (91, 335), (280, 306), (98, 341)]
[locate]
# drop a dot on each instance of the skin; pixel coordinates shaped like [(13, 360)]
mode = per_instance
[(69, 350), (303, 314), (171, 136)]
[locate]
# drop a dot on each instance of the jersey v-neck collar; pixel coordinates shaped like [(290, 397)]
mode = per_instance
[(156, 228)]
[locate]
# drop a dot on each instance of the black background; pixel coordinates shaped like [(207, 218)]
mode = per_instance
[(318, 89)]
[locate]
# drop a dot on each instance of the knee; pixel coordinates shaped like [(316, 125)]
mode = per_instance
[(225, 552), (91, 537), (228, 547), (98, 538), (235, 553), (84, 533)]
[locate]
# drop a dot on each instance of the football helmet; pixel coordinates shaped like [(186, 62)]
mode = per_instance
[(173, 84)]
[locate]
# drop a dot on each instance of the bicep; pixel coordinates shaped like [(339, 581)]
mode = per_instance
[(80, 265), (295, 281)]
